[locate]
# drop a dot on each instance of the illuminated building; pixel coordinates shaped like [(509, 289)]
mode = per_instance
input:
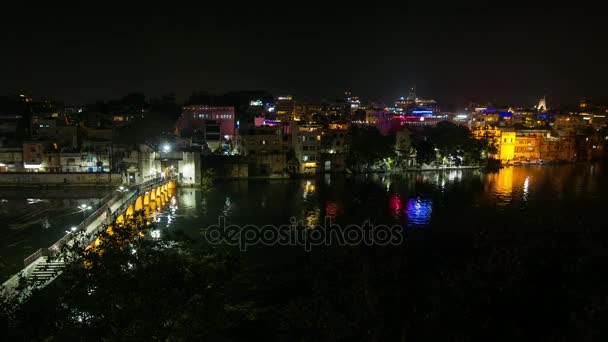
[(314, 112), (482, 117), (11, 159), (414, 106), (542, 105), (214, 124), (260, 140), (306, 141), (33, 156), (352, 101), (528, 145), (332, 150), (284, 107)]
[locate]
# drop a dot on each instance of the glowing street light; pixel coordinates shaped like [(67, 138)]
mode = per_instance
[(122, 189), (166, 148), (84, 208)]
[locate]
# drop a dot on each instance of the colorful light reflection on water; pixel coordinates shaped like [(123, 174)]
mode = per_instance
[(394, 205), (418, 211)]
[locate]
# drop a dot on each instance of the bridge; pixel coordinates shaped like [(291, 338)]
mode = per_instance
[(147, 196)]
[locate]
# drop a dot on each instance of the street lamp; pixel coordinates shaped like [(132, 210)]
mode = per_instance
[(84, 208)]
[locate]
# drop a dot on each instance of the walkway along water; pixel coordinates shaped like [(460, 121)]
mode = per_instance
[(38, 269)]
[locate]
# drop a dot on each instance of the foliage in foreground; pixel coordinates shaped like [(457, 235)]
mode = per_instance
[(132, 288)]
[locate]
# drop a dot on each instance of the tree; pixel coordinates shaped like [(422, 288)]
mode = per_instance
[(366, 147), (425, 152), (130, 287)]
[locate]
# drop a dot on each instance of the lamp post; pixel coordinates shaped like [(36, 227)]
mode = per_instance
[(122, 189), (84, 208)]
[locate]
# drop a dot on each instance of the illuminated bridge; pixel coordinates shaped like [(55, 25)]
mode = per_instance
[(148, 196)]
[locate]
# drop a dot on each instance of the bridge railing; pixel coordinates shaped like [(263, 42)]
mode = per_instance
[(111, 200)]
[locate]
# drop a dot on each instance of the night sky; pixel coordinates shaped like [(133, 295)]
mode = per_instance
[(508, 56)]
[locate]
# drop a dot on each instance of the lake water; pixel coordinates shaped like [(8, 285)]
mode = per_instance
[(514, 198), (518, 200)]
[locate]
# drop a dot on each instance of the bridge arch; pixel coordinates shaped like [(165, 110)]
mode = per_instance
[(129, 212), (139, 204)]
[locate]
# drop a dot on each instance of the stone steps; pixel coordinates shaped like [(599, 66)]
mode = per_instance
[(46, 270)]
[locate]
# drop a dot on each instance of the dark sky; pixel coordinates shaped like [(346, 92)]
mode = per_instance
[(506, 55)]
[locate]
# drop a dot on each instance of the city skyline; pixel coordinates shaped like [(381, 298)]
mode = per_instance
[(80, 55)]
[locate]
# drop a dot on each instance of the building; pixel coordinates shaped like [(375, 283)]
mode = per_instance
[(210, 125), (260, 140), (11, 159), (542, 105), (332, 149), (284, 107), (265, 150), (319, 112), (306, 143), (528, 145)]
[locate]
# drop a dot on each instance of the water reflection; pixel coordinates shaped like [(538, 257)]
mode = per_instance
[(526, 188), (309, 189), (418, 211), (227, 206), (415, 199), (311, 218), (394, 205), (331, 209)]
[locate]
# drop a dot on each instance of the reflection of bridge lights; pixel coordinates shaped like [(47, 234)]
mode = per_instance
[(418, 211), (155, 234)]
